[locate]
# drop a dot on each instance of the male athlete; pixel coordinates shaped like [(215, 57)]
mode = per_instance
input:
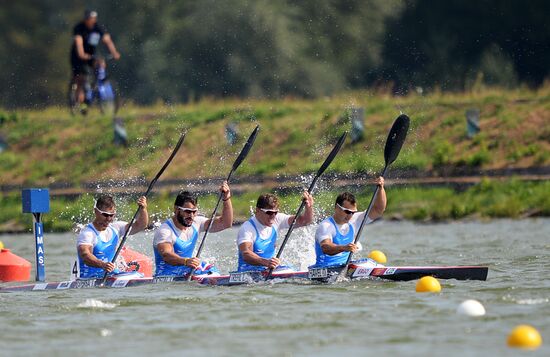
[(257, 236), (175, 240), (335, 235), (97, 242)]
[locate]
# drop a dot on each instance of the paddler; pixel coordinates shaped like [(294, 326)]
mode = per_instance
[(257, 236), (175, 240), (98, 240), (335, 235)]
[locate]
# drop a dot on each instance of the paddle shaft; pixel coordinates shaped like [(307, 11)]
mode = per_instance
[(394, 142), (293, 223), (210, 223), (149, 188), (244, 152), (220, 195), (367, 212), (322, 169)]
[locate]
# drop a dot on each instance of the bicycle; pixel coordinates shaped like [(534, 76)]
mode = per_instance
[(97, 87)]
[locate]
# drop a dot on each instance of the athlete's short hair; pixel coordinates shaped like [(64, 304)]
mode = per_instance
[(185, 196), (105, 202), (345, 196), (267, 200)]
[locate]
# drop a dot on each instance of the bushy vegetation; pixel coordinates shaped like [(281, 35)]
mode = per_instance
[(489, 199)]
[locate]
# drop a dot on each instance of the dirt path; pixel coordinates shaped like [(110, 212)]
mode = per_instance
[(458, 180)]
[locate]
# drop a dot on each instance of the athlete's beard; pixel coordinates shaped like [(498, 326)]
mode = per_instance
[(181, 220)]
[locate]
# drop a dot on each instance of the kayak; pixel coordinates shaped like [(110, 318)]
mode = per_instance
[(359, 270), (363, 270)]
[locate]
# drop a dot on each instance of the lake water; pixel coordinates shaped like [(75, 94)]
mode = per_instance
[(289, 319)]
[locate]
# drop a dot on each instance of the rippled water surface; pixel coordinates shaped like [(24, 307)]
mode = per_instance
[(358, 317)]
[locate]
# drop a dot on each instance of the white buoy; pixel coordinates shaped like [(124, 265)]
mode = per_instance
[(471, 308)]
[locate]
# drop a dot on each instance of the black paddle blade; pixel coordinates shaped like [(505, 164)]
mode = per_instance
[(396, 138), (246, 148), (332, 154)]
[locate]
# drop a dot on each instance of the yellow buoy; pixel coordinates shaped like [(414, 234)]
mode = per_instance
[(1, 245), (428, 284), (524, 336), (378, 256)]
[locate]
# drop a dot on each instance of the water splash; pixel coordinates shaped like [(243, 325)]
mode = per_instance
[(105, 332), (96, 304), (300, 249), (532, 301)]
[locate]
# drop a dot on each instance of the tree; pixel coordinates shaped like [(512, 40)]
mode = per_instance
[(448, 43)]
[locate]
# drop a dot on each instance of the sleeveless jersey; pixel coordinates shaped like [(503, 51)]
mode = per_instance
[(325, 260), (104, 251), (182, 248), (264, 248)]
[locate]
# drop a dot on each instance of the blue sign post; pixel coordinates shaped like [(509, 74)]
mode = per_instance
[(37, 201)]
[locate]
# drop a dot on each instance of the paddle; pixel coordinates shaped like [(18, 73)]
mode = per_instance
[(238, 161), (322, 169), (151, 184), (394, 142)]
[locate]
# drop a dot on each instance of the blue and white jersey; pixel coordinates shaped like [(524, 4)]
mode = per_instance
[(263, 239), (184, 242), (340, 234), (103, 243)]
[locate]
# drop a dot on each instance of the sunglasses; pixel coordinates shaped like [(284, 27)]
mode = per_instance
[(105, 214), (187, 210), (269, 212), (346, 211)]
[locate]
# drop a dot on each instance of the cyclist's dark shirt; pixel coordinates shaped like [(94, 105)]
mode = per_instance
[(91, 38)]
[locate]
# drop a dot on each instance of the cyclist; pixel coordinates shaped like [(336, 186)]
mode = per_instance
[(87, 35)]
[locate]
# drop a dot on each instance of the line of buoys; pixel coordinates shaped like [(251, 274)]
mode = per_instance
[(524, 336), (428, 284), (378, 256), (13, 267)]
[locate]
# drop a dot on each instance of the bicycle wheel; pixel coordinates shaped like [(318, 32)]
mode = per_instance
[(74, 106)]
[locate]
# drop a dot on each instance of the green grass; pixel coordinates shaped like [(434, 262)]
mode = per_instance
[(489, 199), (48, 146)]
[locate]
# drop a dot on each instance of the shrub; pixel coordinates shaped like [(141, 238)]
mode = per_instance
[(442, 154)]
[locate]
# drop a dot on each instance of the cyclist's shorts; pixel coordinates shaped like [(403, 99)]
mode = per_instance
[(81, 67)]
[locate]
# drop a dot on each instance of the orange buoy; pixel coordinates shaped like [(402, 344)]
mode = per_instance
[(137, 261), (13, 267)]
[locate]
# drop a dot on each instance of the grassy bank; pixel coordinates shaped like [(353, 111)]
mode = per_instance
[(489, 199), (49, 146)]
